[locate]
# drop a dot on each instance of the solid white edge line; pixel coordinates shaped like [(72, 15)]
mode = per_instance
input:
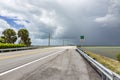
[(3, 73)]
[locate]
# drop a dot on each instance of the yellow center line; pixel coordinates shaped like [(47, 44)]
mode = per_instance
[(20, 54)]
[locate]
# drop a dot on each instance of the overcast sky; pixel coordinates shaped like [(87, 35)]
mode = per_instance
[(97, 20)]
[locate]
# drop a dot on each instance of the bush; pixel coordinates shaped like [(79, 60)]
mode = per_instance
[(4, 46), (118, 57)]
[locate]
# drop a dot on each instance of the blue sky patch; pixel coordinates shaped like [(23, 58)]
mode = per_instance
[(12, 23)]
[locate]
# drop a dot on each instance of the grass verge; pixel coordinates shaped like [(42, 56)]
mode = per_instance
[(111, 64)]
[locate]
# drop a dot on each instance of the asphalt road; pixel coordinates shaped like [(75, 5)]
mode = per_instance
[(59, 63)]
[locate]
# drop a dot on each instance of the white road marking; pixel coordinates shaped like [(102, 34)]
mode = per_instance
[(1, 74)]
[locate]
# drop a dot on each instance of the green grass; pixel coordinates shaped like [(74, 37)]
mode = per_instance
[(118, 57), (4, 46), (111, 64)]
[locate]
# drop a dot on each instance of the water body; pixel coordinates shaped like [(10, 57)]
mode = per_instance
[(110, 52)]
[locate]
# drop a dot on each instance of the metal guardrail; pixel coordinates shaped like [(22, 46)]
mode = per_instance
[(16, 49), (105, 73)]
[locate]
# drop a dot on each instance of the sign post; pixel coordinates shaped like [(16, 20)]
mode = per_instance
[(81, 40)]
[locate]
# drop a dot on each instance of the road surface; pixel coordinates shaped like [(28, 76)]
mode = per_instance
[(57, 63)]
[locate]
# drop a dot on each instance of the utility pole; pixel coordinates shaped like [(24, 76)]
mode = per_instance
[(49, 40), (67, 42), (63, 42)]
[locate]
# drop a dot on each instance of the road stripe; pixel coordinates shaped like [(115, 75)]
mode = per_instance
[(6, 72), (18, 55)]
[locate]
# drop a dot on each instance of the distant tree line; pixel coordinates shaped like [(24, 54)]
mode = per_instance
[(10, 36)]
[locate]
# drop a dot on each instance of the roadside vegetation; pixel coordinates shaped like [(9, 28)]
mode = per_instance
[(9, 37), (112, 64), (23, 34), (4, 46), (118, 57)]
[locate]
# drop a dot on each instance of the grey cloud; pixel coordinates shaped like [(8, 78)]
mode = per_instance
[(113, 15), (68, 19)]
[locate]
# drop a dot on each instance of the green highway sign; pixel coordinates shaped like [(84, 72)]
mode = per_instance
[(81, 37)]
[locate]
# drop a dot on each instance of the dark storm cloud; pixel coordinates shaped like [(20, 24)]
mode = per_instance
[(97, 20)]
